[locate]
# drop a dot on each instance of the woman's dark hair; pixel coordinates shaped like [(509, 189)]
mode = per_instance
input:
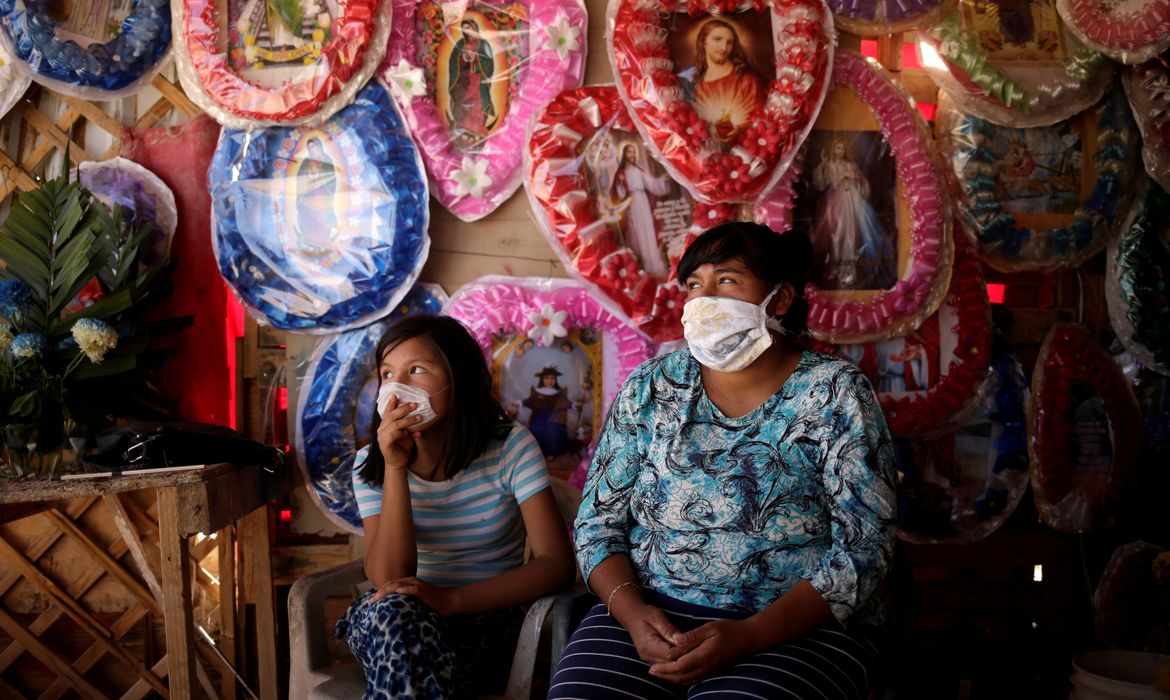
[(474, 418), (773, 257)]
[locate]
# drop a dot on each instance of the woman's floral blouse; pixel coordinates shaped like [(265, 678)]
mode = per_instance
[(731, 512)]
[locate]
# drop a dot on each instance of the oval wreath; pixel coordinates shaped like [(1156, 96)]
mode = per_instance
[(472, 184), (541, 313), (100, 71), (564, 200), (13, 82), (763, 140), (321, 229), (1148, 88), (143, 196), (1137, 268), (883, 17), (1036, 83), (336, 403), (964, 318), (984, 157), (856, 317), (1118, 30), (960, 487), (339, 55), (1086, 432)]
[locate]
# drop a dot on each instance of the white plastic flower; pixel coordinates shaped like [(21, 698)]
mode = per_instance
[(562, 37), (472, 178), (95, 338), (548, 324), (406, 81)]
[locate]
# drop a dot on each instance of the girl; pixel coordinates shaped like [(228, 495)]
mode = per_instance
[(447, 493)]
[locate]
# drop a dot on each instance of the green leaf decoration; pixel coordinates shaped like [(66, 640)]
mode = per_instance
[(290, 14)]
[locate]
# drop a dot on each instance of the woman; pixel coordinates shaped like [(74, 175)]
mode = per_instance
[(447, 493), (637, 185), (847, 231), (739, 512)]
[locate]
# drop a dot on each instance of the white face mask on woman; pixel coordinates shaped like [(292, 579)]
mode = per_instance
[(408, 394), (727, 334)]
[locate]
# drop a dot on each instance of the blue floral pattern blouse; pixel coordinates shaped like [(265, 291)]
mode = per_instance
[(732, 512)]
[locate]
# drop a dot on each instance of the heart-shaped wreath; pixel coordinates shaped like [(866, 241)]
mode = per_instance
[(742, 154)]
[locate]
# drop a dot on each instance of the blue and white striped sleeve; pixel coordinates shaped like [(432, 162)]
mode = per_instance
[(522, 464), (369, 498)]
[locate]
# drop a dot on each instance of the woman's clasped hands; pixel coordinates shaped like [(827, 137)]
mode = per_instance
[(683, 657)]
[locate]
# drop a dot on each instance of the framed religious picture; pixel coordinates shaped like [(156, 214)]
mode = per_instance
[(254, 63), (1013, 62), (336, 405), (90, 49), (468, 78), (961, 484), (321, 229), (723, 93), (557, 357), (611, 212), (1042, 197), (871, 198), (1085, 432)]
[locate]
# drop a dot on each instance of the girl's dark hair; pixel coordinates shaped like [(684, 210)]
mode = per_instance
[(773, 257), (474, 418)]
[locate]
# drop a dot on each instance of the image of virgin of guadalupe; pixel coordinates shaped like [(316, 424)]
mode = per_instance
[(549, 404), (721, 84), (316, 188), (471, 69)]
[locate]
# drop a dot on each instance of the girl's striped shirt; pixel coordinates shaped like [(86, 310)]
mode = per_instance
[(469, 528)]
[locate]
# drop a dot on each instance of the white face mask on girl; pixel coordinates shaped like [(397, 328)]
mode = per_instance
[(408, 394), (727, 334)]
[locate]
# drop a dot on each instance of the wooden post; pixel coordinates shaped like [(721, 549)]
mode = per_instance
[(262, 596), (226, 541), (176, 585)]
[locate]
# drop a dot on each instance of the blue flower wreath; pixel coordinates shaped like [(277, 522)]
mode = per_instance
[(336, 404), (364, 240), (112, 66), (1000, 239)]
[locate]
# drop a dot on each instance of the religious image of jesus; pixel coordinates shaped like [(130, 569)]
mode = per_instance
[(722, 85)]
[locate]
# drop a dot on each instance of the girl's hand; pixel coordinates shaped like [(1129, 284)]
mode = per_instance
[(708, 648), (395, 434), (444, 601)]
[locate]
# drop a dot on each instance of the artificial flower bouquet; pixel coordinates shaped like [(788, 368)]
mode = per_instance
[(74, 351)]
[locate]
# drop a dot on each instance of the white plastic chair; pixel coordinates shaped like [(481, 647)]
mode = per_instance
[(313, 676)]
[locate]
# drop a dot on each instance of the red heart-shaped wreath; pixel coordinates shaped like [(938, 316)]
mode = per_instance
[(726, 139)]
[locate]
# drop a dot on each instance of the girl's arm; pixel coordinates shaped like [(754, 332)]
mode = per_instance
[(550, 569), (390, 551)]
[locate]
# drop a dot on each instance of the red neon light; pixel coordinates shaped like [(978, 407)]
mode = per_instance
[(286, 516), (995, 293)]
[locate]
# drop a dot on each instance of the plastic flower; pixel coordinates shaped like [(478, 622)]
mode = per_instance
[(95, 338), (547, 324), (562, 37), (14, 296), (5, 336), (406, 81), (28, 345), (472, 178)]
